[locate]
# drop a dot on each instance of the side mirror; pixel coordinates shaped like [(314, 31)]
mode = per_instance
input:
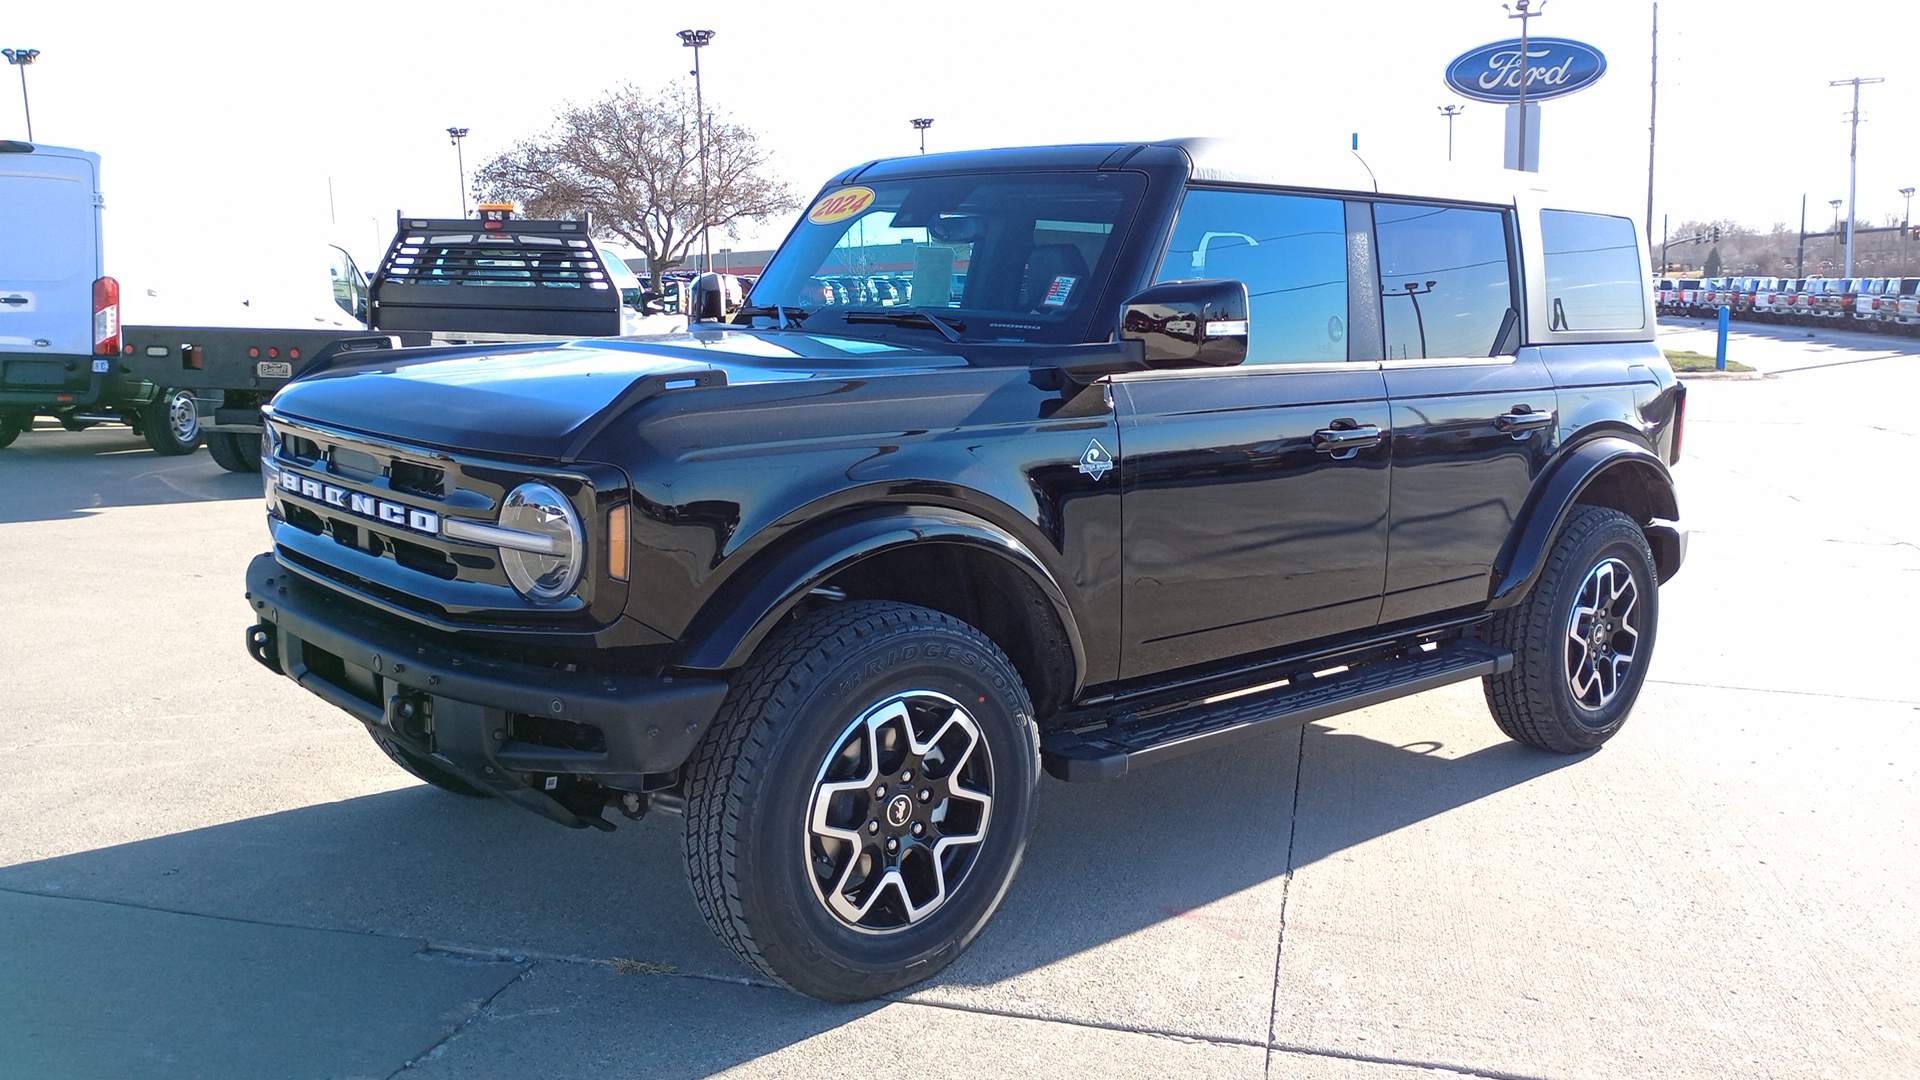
[(1189, 323), (715, 298)]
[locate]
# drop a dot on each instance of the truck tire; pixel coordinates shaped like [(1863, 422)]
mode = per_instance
[(10, 429), (429, 770), (862, 802), (234, 451), (1581, 639), (172, 423)]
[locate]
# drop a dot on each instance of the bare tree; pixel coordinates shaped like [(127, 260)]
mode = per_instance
[(632, 160)]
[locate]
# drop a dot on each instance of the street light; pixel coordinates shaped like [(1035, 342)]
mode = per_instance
[(1519, 11), (1450, 111), (696, 40), (921, 126), (20, 58), (1906, 229), (1835, 203), (458, 133)]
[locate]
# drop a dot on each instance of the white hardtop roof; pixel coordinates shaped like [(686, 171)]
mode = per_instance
[(1275, 164)]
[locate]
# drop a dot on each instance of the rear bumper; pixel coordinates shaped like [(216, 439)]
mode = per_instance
[(1668, 539), (518, 729)]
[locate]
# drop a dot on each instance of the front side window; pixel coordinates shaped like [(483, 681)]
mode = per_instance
[(1015, 257), (1446, 286), (1291, 253)]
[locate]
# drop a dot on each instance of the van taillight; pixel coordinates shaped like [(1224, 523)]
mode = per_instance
[(106, 317)]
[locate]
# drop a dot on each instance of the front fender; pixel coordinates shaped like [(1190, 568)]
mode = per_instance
[(1629, 467), (733, 622)]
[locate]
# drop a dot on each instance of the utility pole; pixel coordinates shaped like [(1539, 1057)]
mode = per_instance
[(1853, 160), (1800, 261), (1653, 114), (1906, 229), (1450, 111), (1519, 11)]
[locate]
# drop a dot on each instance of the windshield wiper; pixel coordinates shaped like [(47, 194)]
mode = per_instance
[(909, 317), (786, 315)]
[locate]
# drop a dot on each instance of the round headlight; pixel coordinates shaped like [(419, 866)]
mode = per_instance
[(545, 564)]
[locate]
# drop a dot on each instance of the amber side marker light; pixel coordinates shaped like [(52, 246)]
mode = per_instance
[(617, 543)]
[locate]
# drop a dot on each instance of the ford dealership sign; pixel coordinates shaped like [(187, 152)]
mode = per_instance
[(1555, 68)]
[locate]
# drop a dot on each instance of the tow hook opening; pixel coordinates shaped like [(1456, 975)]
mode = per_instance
[(263, 645), (409, 713)]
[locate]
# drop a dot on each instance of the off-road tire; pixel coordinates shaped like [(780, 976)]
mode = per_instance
[(172, 423), (234, 451), (755, 788), (429, 770), (1535, 702)]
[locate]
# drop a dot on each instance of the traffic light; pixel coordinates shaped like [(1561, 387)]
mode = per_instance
[(1716, 234)]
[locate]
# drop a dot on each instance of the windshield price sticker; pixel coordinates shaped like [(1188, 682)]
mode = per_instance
[(1058, 292), (840, 205)]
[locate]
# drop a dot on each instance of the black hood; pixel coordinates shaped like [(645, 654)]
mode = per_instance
[(538, 402)]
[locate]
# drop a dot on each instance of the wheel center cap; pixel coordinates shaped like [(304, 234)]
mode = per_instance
[(899, 811)]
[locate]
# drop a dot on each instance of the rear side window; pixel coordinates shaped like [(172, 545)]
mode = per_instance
[(1593, 272), (1446, 285), (1289, 250)]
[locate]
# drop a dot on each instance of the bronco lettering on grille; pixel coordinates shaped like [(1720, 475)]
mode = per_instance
[(367, 506)]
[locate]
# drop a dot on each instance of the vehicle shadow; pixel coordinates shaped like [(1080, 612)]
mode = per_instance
[(50, 473), (1107, 861)]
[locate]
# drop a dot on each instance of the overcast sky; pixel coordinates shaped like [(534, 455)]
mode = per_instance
[(220, 122)]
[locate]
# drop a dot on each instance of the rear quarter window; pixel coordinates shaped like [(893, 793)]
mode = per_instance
[(1593, 272)]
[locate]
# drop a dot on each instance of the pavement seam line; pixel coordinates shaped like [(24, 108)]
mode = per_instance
[(453, 1032), (1379, 1059), (1795, 693), (1286, 890)]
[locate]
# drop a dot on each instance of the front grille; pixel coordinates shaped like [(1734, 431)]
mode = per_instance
[(383, 506)]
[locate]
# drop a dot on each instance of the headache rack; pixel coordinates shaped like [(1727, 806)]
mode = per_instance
[(495, 275)]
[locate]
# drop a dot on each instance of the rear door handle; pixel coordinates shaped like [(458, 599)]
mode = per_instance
[(1343, 438), (16, 300), (1523, 422)]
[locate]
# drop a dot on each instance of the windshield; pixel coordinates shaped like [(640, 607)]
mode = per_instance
[(1014, 257)]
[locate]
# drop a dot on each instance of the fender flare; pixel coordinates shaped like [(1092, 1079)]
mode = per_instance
[(1554, 497), (733, 622)]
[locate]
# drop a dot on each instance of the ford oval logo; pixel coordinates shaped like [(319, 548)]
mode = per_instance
[(1555, 67)]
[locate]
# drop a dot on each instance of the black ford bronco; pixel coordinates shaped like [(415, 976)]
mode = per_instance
[(1074, 458)]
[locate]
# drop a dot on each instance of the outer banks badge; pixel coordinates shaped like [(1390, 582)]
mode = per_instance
[(1096, 461)]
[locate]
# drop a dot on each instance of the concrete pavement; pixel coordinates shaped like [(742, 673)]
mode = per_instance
[(204, 872)]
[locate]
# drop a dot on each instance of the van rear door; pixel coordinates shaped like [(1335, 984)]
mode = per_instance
[(50, 217)]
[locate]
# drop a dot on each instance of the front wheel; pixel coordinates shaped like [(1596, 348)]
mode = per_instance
[(1581, 639), (861, 804), (172, 423)]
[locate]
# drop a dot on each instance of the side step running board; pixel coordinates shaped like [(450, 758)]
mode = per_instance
[(1130, 740)]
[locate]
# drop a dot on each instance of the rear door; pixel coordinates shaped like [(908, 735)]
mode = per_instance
[(50, 219)]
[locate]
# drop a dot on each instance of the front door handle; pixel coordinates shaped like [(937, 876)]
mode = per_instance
[(1523, 422), (1344, 438)]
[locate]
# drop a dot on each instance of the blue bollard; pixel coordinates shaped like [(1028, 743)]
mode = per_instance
[(1720, 354)]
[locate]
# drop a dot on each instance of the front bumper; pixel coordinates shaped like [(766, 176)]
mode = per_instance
[(531, 733)]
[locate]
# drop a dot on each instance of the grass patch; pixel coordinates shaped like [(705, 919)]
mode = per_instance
[(1688, 360)]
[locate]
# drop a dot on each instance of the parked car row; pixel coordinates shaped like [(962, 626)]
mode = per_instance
[(1888, 305)]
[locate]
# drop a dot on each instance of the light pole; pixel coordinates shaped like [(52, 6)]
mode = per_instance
[(921, 126), (1450, 111), (1835, 203), (458, 133), (1519, 11), (20, 58), (696, 40), (1906, 229)]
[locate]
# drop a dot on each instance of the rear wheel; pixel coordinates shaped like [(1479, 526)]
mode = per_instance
[(11, 427), (1581, 639), (172, 423), (235, 451), (861, 804)]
